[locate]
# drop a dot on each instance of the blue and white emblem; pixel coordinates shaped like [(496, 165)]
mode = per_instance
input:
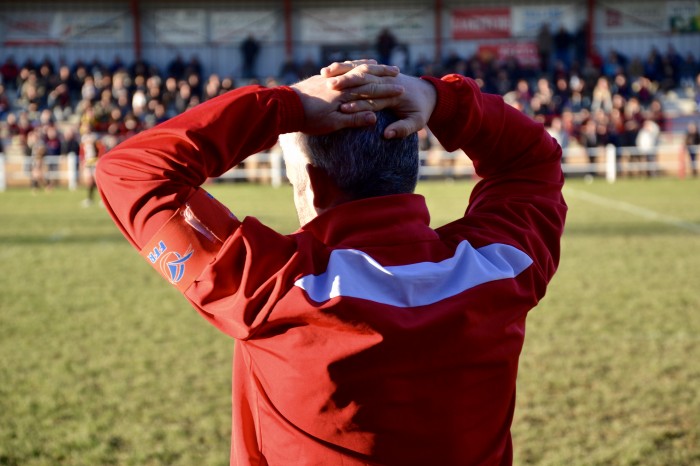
[(172, 264)]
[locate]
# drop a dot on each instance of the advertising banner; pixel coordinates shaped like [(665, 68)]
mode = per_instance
[(235, 26), (528, 20), (524, 52), (684, 16), (92, 26), (632, 18), (481, 23), (36, 27), (342, 26), (186, 26)]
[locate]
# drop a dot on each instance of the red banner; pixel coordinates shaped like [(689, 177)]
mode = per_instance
[(481, 23), (524, 52)]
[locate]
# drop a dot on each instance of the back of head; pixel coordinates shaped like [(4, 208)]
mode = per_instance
[(362, 162)]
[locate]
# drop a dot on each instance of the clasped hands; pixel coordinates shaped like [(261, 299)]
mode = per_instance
[(346, 95)]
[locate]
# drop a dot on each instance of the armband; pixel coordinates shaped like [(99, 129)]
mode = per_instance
[(190, 240)]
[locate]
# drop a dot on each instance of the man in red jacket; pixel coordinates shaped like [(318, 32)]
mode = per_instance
[(366, 337)]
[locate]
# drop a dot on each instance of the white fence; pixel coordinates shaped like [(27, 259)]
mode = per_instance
[(56, 170), (609, 162)]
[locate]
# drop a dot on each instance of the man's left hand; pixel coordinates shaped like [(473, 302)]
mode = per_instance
[(322, 102)]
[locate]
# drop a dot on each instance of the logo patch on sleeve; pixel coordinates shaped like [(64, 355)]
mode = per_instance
[(189, 241)]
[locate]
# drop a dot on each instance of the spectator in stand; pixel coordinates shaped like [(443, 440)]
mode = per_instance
[(602, 97), (52, 145), (652, 65), (120, 84), (689, 68), (227, 84), (655, 113), (194, 67), (692, 144), (169, 95), (12, 125), (9, 72), (385, 44), (621, 85), (557, 131), (562, 42), (103, 110), (88, 91), (24, 125), (545, 46), (5, 104), (250, 49), (176, 67), (195, 83), (117, 65), (71, 145), (212, 87), (594, 136), (289, 71), (523, 96), (30, 92), (182, 100), (580, 41)]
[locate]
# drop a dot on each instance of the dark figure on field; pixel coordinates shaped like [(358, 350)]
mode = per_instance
[(647, 142), (250, 49), (89, 154), (365, 337), (692, 143), (37, 151)]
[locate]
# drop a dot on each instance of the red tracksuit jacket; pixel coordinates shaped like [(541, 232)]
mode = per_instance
[(366, 337)]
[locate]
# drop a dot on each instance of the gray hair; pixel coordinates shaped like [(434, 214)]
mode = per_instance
[(362, 162)]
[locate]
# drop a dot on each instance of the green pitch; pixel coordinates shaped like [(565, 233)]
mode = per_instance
[(103, 363)]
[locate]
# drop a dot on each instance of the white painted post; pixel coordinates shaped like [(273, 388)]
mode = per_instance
[(276, 166), (3, 173), (610, 163), (72, 171)]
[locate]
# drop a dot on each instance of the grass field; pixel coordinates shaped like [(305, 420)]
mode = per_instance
[(103, 363)]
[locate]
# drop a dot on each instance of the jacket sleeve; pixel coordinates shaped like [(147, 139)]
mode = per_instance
[(145, 179), (150, 186), (518, 200)]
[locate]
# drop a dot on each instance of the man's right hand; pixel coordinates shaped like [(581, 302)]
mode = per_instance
[(414, 106)]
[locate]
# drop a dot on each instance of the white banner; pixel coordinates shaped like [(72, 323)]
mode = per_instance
[(59, 27), (93, 26), (356, 25), (528, 20), (27, 27), (235, 26), (181, 26), (632, 18)]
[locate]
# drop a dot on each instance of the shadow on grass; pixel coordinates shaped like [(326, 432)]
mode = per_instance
[(639, 229), (22, 240)]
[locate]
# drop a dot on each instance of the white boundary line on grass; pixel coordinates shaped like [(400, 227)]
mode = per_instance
[(633, 209)]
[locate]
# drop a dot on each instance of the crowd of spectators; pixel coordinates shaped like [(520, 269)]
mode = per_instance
[(52, 108)]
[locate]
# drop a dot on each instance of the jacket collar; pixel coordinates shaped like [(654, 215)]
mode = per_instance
[(399, 218)]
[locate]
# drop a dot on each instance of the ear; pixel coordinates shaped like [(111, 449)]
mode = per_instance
[(326, 191)]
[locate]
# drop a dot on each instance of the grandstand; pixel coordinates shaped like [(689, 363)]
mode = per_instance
[(616, 83)]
